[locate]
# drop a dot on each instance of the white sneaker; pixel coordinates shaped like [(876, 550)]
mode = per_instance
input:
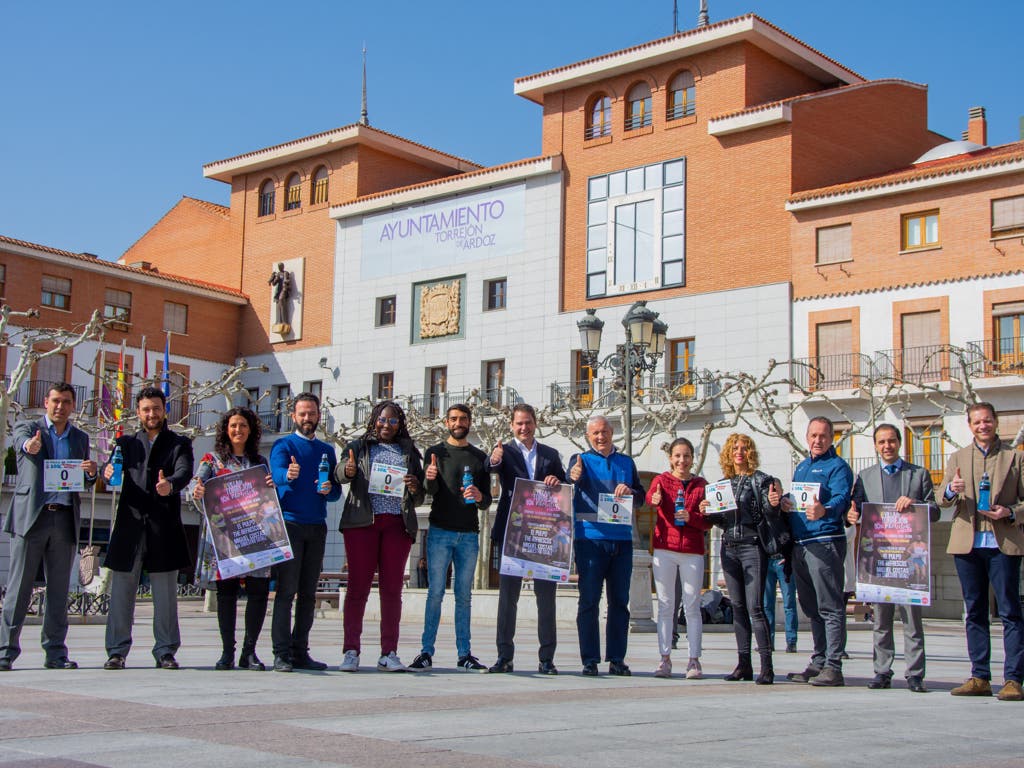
[(693, 670), (664, 668), (391, 663), (351, 662)]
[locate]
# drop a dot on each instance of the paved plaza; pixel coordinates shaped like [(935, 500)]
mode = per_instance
[(149, 718)]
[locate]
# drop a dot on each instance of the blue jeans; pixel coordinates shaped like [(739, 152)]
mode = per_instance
[(444, 548), (982, 568), (776, 576), (599, 563)]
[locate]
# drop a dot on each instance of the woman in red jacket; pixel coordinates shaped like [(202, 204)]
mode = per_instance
[(678, 549)]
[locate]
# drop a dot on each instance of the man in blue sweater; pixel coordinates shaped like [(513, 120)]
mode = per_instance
[(604, 550), (820, 551), (294, 463)]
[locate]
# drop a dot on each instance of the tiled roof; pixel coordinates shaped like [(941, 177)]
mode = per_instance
[(815, 95), (988, 157), (217, 208), (915, 284), (84, 257), (688, 33)]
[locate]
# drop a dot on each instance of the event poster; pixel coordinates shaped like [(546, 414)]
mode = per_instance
[(538, 537), (893, 555), (245, 522)]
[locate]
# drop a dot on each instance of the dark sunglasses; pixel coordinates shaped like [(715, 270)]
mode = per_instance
[(387, 420)]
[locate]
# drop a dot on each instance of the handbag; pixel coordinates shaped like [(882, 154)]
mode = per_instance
[(773, 528)]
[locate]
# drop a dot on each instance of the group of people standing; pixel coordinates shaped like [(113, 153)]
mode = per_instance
[(378, 522)]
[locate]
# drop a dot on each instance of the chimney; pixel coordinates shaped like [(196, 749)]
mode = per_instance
[(977, 126)]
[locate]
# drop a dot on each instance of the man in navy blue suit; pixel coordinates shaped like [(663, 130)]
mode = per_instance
[(523, 457)]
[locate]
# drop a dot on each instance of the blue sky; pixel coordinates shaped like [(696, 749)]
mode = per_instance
[(110, 109)]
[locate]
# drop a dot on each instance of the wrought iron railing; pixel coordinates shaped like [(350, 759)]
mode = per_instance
[(996, 357), (32, 393), (830, 371), (917, 365)]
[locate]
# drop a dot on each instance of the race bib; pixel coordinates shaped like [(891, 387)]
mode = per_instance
[(615, 509), (804, 494), (387, 480), (720, 496), (63, 475)]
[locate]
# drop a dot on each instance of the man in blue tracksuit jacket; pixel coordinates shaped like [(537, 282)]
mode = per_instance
[(820, 552), (604, 551)]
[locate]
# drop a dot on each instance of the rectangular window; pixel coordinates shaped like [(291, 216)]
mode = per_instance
[(494, 380), (636, 229), (1009, 335), (834, 244), (3, 280), (48, 370), (920, 230), (1008, 216), (384, 386), (314, 388), (252, 398), (680, 366), (833, 365), (437, 386), (280, 420), (387, 307), (56, 292), (922, 357), (582, 380), (495, 293), (923, 445), (842, 441), (117, 305), (175, 317)]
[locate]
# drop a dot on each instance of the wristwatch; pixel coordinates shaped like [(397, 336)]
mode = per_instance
[(1012, 518)]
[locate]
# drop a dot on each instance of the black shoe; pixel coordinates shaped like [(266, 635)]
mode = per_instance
[(744, 670), (547, 668), (308, 663), (590, 670), (6, 664), (114, 662), (501, 665), (283, 664), (249, 660), (829, 677), (806, 676), (880, 681), (422, 663), (226, 661), (619, 669), (167, 661), (916, 684), (767, 674), (62, 663), (470, 663), (790, 647)]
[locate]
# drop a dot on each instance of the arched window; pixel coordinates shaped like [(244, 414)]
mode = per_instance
[(638, 106), (318, 194), (599, 117), (293, 193), (681, 99), (267, 198)]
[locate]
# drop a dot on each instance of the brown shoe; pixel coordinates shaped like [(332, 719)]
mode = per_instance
[(1011, 691), (974, 686)]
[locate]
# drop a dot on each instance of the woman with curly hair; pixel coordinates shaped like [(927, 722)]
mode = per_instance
[(385, 475), (236, 447), (744, 559)]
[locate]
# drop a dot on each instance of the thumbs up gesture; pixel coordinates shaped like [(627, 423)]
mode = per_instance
[(198, 490), (577, 470), (34, 443), (293, 470), (431, 471), (163, 485), (497, 454), (656, 493), (957, 484), (350, 465), (815, 510)]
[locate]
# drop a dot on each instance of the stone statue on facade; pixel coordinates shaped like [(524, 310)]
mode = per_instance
[(281, 280)]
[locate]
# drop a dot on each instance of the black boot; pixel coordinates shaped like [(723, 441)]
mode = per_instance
[(767, 676), (227, 659), (744, 669), (248, 659)]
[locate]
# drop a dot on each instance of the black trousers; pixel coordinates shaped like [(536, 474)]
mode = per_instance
[(258, 592), (296, 582), (509, 588), (745, 567)]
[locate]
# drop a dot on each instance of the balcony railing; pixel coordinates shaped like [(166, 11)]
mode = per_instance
[(32, 393), (830, 371), (658, 387), (273, 421), (917, 365), (935, 463), (996, 357)]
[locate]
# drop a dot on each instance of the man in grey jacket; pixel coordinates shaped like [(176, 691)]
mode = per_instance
[(898, 482)]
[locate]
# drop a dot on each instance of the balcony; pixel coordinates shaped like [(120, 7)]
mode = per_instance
[(915, 365), (273, 421), (996, 357), (846, 371), (682, 386), (935, 463), (32, 393)]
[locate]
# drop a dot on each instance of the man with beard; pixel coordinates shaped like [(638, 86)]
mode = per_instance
[(147, 531), (294, 463), (454, 533)]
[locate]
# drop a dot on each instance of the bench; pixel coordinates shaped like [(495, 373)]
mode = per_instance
[(328, 590)]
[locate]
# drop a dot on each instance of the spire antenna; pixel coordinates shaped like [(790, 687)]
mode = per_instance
[(702, 17), (364, 118)]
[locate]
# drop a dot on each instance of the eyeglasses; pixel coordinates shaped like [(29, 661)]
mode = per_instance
[(387, 420)]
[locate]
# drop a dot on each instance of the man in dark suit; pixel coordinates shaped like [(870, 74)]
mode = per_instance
[(43, 526), (147, 531), (523, 457), (898, 482)]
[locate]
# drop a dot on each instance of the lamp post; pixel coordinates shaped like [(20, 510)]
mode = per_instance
[(644, 347)]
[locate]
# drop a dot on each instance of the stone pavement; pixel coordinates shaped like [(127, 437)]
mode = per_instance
[(149, 718)]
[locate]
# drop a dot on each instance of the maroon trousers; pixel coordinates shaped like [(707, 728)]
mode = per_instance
[(379, 548)]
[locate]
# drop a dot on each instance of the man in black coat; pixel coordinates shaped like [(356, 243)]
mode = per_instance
[(523, 457), (147, 531)]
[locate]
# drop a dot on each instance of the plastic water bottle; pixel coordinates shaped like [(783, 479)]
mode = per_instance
[(324, 472), (984, 493), (680, 506), (117, 462), (467, 480)]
